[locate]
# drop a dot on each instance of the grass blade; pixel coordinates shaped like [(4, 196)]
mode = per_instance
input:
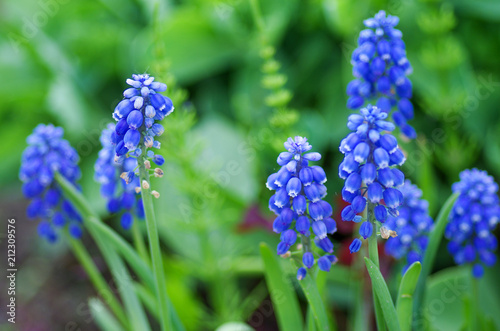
[(430, 253), (382, 292), (102, 316), (284, 299), (97, 279), (404, 304), (316, 305), (109, 235), (137, 316)]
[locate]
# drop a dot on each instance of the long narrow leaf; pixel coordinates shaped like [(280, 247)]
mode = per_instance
[(284, 298), (383, 295), (316, 304), (149, 301), (102, 316), (430, 252), (124, 283), (404, 304), (109, 235)]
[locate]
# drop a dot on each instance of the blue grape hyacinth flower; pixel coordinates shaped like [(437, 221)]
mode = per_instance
[(46, 154), (299, 206), (472, 220), (137, 116), (413, 226), (381, 67), (119, 183), (368, 168)]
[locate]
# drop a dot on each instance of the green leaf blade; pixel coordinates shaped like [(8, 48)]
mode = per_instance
[(284, 299), (103, 316), (382, 291), (316, 305), (431, 251), (404, 304)]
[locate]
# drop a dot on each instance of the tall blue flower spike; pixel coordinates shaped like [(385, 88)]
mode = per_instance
[(472, 220), (299, 206), (412, 226), (380, 67), (46, 154), (368, 168), (119, 185), (137, 114)]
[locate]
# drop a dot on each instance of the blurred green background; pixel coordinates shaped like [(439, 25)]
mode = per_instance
[(65, 62)]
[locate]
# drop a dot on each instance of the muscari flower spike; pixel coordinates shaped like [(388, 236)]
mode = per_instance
[(380, 66), (119, 183), (370, 155), (472, 220), (413, 226), (46, 154), (137, 114), (299, 206)]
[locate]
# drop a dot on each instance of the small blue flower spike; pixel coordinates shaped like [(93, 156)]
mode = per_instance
[(472, 220), (413, 226), (120, 186), (136, 117), (370, 157), (298, 203), (380, 66), (46, 154)]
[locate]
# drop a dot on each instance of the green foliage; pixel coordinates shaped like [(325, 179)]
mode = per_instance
[(404, 303), (383, 296), (282, 293), (252, 74)]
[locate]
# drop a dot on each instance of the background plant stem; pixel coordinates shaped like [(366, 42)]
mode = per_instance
[(154, 245), (373, 254)]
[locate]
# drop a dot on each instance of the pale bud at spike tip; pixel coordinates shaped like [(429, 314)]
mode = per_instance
[(156, 194), (158, 173), (147, 164), (137, 190), (145, 185)]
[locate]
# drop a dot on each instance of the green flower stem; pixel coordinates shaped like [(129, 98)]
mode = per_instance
[(373, 254), (154, 245), (139, 244), (306, 243), (97, 280)]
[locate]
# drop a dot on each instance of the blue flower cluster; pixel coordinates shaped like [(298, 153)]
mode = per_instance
[(412, 226), (472, 220), (298, 203), (380, 67), (369, 155), (46, 154), (120, 193), (136, 115)]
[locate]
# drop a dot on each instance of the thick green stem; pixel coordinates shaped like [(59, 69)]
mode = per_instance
[(306, 243), (97, 280), (139, 244), (154, 245), (373, 255)]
